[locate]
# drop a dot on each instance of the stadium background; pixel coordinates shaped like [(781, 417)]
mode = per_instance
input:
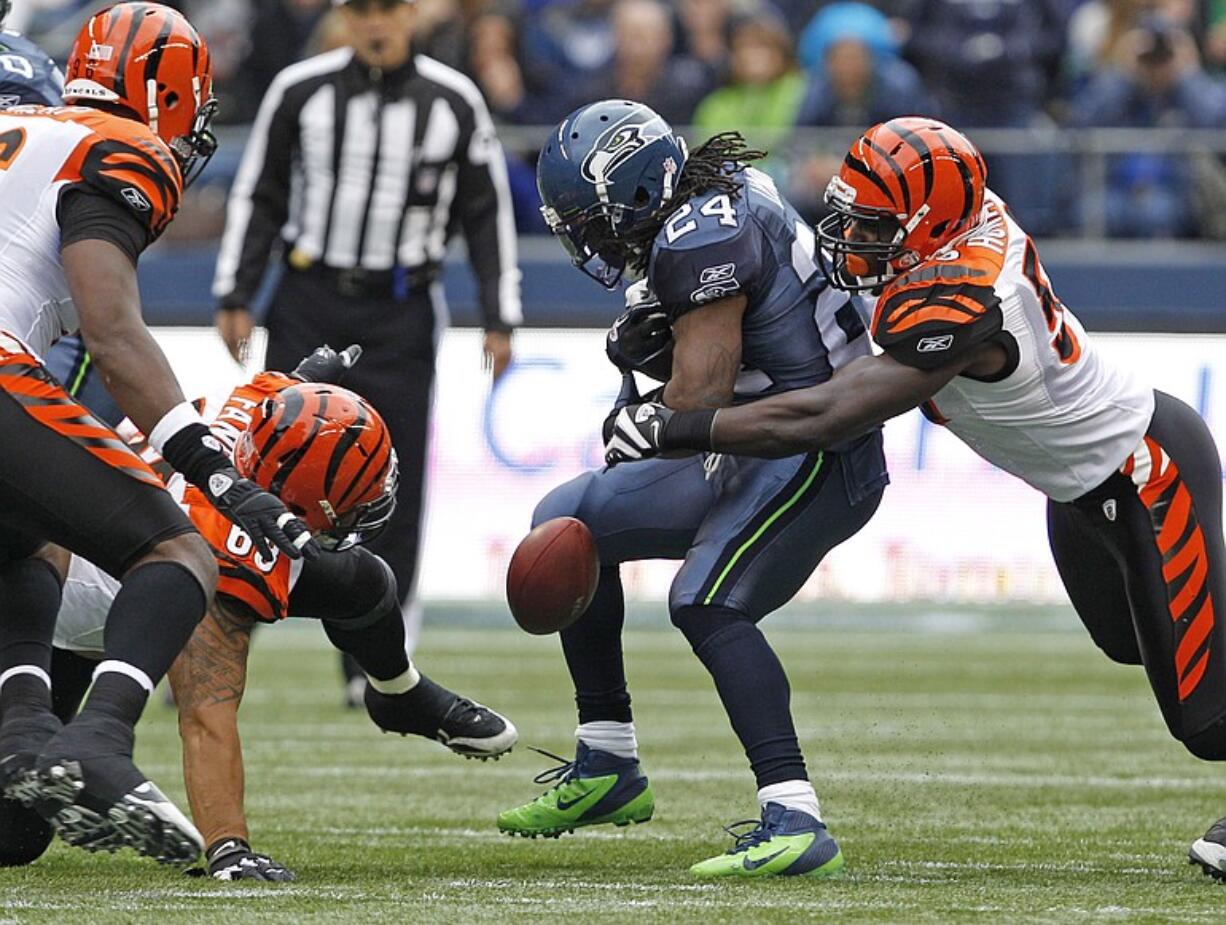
[(979, 759), (1104, 124)]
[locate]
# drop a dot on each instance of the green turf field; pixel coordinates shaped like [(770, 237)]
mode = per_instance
[(999, 774)]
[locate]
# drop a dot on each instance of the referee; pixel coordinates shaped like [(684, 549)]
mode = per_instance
[(361, 164)]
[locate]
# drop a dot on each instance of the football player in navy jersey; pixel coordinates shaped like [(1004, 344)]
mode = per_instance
[(733, 307), (27, 73)]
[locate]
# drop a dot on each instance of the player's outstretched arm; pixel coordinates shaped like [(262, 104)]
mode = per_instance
[(865, 393), (861, 395), (208, 680)]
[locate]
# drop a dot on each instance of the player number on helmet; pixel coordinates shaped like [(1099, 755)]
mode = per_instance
[(238, 543)]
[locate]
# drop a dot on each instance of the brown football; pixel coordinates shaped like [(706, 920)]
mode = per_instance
[(552, 576)]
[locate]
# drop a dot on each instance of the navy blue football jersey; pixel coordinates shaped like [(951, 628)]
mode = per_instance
[(797, 329), (27, 76)]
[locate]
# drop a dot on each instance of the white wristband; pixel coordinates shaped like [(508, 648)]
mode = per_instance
[(178, 417)]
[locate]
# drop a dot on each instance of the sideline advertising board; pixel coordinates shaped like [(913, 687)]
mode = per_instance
[(950, 528)]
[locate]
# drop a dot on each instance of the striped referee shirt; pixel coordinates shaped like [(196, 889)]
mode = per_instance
[(360, 170)]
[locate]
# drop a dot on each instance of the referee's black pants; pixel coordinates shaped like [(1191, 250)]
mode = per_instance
[(395, 374), (1143, 560)]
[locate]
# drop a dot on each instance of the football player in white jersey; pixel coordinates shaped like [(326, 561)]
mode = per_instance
[(972, 333), (85, 190)]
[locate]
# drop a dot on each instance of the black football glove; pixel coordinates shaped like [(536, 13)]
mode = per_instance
[(233, 859), (326, 365), (196, 453), (641, 339)]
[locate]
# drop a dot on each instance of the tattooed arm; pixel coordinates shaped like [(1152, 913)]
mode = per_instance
[(208, 679), (706, 356)]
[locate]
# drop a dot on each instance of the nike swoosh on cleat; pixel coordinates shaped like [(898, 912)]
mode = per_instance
[(565, 805), (751, 864)]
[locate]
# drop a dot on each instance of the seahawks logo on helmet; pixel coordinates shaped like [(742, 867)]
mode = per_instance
[(617, 144)]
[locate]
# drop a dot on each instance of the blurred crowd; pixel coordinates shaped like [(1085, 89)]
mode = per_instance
[(767, 67)]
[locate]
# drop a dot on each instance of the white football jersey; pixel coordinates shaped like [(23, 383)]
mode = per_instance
[(42, 150), (1060, 417)]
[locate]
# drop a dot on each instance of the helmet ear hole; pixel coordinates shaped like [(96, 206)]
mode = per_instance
[(939, 229), (642, 196), (172, 100)]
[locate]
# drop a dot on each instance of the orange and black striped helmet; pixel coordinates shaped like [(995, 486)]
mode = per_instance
[(327, 454), (906, 188), (148, 59)]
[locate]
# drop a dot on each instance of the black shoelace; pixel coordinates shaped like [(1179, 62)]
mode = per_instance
[(565, 770), (747, 839)]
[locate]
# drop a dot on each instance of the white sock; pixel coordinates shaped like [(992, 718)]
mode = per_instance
[(794, 794), (608, 736), (131, 671), (26, 669), (401, 684)]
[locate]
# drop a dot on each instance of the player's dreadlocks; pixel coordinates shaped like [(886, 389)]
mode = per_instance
[(709, 167)]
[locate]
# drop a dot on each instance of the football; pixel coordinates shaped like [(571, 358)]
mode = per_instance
[(552, 576)]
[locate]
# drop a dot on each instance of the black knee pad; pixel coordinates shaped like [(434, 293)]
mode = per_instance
[(1209, 744), (24, 835), (377, 574)]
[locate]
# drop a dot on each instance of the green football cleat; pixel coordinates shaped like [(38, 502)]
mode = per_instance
[(597, 787), (785, 843)]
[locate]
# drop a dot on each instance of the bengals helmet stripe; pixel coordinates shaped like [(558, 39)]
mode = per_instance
[(374, 479), (896, 171), (862, 168), (898, 174), (351, 435), (924, 152)]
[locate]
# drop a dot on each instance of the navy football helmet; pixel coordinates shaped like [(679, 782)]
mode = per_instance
[(607, 170)]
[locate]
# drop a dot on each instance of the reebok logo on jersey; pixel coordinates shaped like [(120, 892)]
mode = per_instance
[(136, 199), (717, 274), (8, 101), (716, 283), (1109, 509), (935, 344)]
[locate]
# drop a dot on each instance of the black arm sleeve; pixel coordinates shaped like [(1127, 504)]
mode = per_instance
[(487, 218), (259, 201), (86, 215)]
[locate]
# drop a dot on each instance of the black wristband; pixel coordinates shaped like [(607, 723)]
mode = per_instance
[(689, 430), (230, 843), (196, 453)]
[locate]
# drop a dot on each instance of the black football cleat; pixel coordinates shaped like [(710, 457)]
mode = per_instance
[(1209, 851), (467, 728), (97, 799)]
